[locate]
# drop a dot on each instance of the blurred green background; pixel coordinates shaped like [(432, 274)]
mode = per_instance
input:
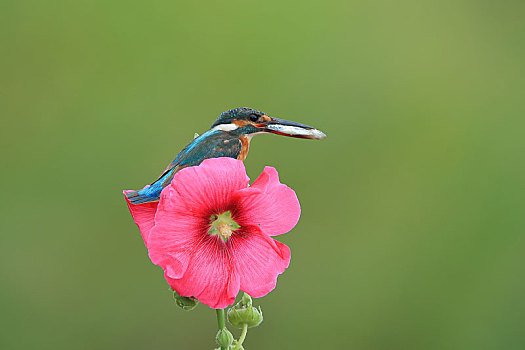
[(412, 230)]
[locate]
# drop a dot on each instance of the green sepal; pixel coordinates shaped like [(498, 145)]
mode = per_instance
[(224, 338), (185, 303)]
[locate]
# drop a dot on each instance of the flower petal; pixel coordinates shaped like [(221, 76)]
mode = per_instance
[(269, 204), (210, 275), (258, 259), (143, 214), (210, 185), (174, 235)]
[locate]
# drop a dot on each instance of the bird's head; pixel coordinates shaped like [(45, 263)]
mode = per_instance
[(248, 122)]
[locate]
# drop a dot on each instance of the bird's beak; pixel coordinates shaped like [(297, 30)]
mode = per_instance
[(292, 129)]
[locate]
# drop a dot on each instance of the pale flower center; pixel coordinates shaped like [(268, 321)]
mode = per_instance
[(222, 225)]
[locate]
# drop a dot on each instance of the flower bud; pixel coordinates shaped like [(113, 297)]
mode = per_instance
[(224, 338), (185, 303), (246, 301), (244, 313)]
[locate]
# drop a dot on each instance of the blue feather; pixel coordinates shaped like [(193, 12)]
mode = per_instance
[(211, 144)]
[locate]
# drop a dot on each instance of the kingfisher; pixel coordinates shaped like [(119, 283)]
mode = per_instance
[(229, 136)]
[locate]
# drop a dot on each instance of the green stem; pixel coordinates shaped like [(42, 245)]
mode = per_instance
[(243, 336), (221, 320)]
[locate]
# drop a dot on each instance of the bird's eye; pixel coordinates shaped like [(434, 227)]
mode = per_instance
[(253, 117)]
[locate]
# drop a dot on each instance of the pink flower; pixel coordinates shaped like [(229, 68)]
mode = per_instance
[(211, 233)]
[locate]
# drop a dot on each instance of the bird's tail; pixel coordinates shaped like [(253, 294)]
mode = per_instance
[(136, 197)]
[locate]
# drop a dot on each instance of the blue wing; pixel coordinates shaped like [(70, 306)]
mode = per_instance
[(211, 144)]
